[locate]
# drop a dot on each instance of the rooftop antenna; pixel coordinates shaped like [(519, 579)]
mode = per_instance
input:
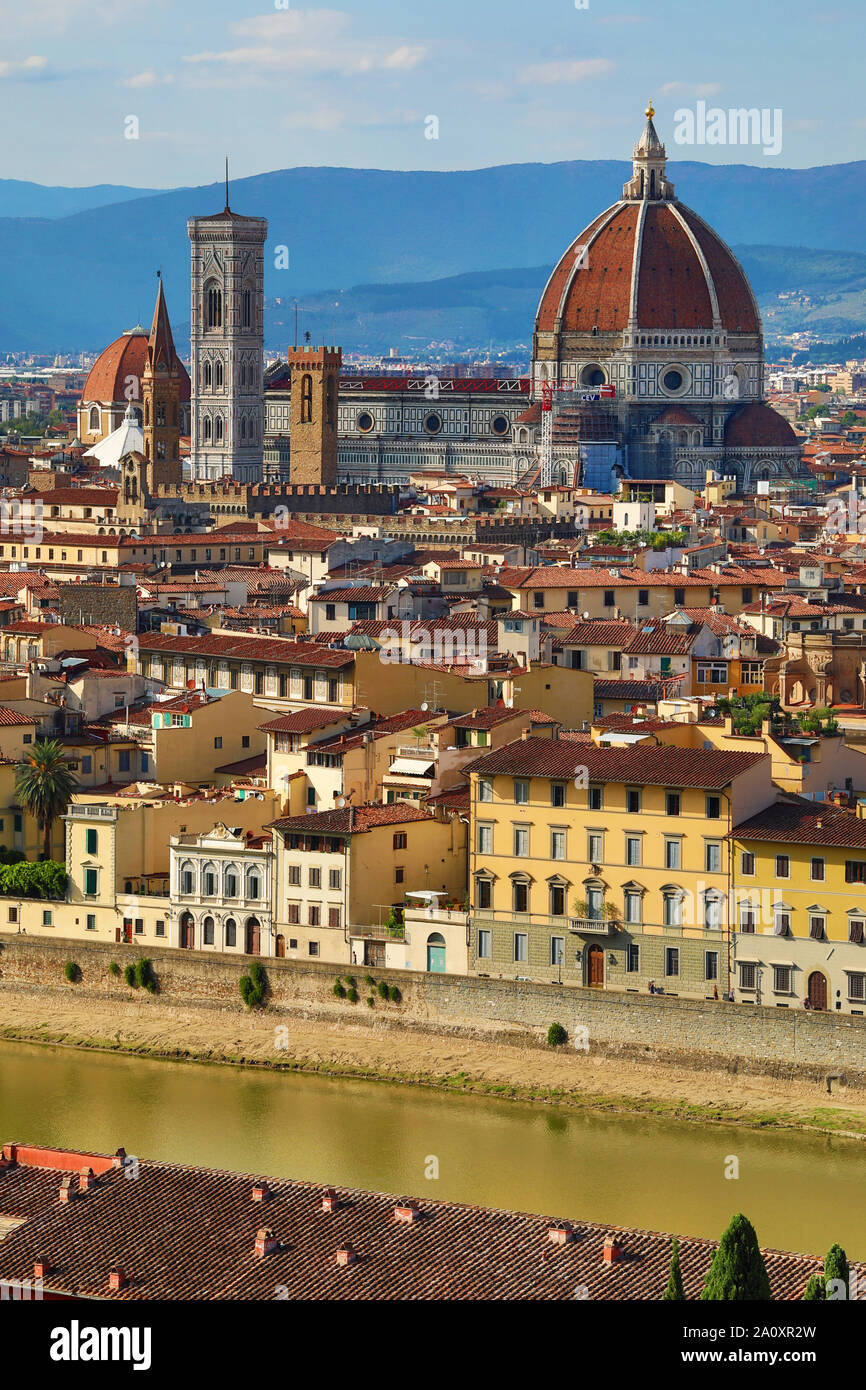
[(228, 209)]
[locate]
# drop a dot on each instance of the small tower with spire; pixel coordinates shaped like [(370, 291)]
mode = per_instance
[(160, 391), (649, 181)]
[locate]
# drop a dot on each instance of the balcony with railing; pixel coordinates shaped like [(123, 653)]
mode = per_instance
[(587, 926)]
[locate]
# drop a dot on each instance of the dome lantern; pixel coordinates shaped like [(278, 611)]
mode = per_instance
[(649, 181)]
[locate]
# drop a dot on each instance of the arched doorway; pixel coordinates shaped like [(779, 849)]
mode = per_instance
[(281, 947), (595, 967), (254, 937), (817, 990), (187, 931), (436, 953)]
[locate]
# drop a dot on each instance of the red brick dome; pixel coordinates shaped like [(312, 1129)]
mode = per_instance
[(654, 264), (758, 426), (107, 379)]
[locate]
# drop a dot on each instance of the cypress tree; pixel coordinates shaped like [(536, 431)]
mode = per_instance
[(836, 1267), (674, 1293), (738, 1273), (815, 1291)]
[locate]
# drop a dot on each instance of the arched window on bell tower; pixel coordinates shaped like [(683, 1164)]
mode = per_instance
[(213, 305), (207, 376), (307, 400)]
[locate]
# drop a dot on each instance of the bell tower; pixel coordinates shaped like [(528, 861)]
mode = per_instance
[(160, 392), (227, 342)]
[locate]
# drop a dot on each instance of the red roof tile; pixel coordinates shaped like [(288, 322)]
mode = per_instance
[(636, 765)]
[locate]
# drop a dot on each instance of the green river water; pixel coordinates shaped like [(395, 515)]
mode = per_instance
[(802, 1191)]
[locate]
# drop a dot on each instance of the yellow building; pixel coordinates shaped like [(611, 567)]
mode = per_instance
[(187, 738), (799, 882), (338, 874), (278, 671), (607, 866), (390, 687)]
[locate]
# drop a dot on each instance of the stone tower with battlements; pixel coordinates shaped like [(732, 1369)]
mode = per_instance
[(315, 376)]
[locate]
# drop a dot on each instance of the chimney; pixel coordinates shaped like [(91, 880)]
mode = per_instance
[(261, 1192), (406, 1211), (66, 1192), (612, 1250), (117, 1279), (86, 1180), (330, 1200), (560, 1233), (266, 1242), (41, 1267), (346, 1254), (525, 734)]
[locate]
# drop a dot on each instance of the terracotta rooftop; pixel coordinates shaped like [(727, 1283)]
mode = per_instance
[(238, 647), (352, 820), (304, 721), (635, 765), (448, 1251), (801, 822), (658, 689)]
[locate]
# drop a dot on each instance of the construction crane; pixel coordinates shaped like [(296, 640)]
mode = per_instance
[(547, 434)]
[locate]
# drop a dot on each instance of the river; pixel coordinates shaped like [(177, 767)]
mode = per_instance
[(801, 1191)]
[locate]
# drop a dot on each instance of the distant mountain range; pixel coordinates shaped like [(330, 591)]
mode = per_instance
[(496, 308), (76, 273)]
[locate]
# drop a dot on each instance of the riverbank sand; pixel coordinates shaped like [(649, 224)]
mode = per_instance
[(497, 1068)]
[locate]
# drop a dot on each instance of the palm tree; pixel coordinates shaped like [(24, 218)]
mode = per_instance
[(44, 785)]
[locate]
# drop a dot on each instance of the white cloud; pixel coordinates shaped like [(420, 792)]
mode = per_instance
[(691, 89), (148, 79), (332, 118), (566, 70), (306, 42), (28, 67)]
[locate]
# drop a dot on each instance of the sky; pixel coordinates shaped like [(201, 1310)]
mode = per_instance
[(155, 94)]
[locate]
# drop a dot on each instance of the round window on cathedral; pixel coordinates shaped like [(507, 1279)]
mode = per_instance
[(499, 424), (672, 380), (433, 423), (592, 376), (365, 422)]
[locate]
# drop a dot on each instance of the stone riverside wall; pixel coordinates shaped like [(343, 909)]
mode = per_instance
[(696, 1033)]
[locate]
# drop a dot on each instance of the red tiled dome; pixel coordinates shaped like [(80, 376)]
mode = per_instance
[(758, 426), (680, 266), (126, 357)]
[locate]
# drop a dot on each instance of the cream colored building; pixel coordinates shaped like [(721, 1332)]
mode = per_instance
[(338, 874), (221, 897)]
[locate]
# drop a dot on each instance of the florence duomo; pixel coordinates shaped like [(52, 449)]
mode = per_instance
[(432, 651), (648, 303)]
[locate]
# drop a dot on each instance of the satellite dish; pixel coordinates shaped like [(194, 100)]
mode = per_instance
[(425, 706), (341, 801)]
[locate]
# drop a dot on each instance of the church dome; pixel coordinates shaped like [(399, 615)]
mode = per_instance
[(647, 263), (758, 426), (107, 380)]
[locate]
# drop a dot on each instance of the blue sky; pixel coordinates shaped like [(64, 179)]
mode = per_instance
[(509, 81)]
